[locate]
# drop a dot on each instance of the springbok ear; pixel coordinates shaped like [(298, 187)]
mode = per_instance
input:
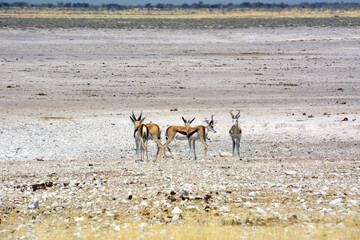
[(142, 120), (192, 120)]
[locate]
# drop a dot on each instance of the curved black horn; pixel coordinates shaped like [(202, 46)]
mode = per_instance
[(140, 116), (184, 120), (232, 115), (133, 115), (238, 115)]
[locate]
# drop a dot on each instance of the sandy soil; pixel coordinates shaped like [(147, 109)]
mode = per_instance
[(66, 97), (68, 94)]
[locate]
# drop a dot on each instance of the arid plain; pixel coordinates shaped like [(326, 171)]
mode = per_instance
[(67, 152)]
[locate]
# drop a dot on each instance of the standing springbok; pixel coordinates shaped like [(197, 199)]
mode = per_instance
[(171, 133), (141, 135), (198, 132), (180, 133), (235, 132)]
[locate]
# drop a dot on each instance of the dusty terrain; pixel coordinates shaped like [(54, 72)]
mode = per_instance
[(66, 138)]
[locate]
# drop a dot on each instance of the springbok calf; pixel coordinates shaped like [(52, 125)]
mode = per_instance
[(235, 132), (179, 133), (142, 133)]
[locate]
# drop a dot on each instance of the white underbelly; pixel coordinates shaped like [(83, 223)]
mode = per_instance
[(179, 136)]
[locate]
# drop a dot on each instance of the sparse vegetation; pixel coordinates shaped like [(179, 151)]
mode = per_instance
[(184, 16)]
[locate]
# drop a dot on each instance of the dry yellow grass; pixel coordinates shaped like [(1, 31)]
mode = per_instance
[(53, 228), (138, 13)]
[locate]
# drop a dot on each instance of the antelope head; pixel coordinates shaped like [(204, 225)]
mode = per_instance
[(135, 120), (211, 124), (187, 122), (235, 118)]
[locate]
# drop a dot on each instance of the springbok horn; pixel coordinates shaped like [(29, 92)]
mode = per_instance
[(184, 119), (140, 116), (238, 115), (133, 115), (232, 115)]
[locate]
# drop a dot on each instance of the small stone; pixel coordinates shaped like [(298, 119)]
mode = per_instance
[(191, 208), (247, 204), (291, 172), (176, 210), (175, 218), (337, 201), (224, 209), (79, 219), (261, 211), (144, 204), (253, 194), (34, 203), (225, 154), (143, 225), (352, 201), (55, 204)]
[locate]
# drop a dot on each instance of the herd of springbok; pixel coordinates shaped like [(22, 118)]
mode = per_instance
[(151, 131)]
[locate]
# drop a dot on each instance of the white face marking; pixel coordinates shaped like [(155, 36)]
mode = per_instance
[(235, 121)]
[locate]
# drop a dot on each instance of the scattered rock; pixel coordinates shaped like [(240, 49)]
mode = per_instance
[(176, 211), (192, 208), (252, 194), (144, 204), (337, 201), (291, 172), (55, 204), (79, 219), (175, 218), (224, 209), (225, 154), (34, 203), (261, 211), (44, 185)]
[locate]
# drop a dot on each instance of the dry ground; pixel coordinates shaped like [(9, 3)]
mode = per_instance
[(66, 137)]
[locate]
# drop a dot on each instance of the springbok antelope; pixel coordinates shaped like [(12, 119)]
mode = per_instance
[(208, 128), (141, 135), (198, 132), (235, 132), (171, 133)]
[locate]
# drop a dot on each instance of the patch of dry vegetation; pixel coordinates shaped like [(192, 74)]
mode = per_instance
[(175, 18), (139, 13)]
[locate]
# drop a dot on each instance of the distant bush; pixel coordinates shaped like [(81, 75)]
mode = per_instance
[(199, 5)]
